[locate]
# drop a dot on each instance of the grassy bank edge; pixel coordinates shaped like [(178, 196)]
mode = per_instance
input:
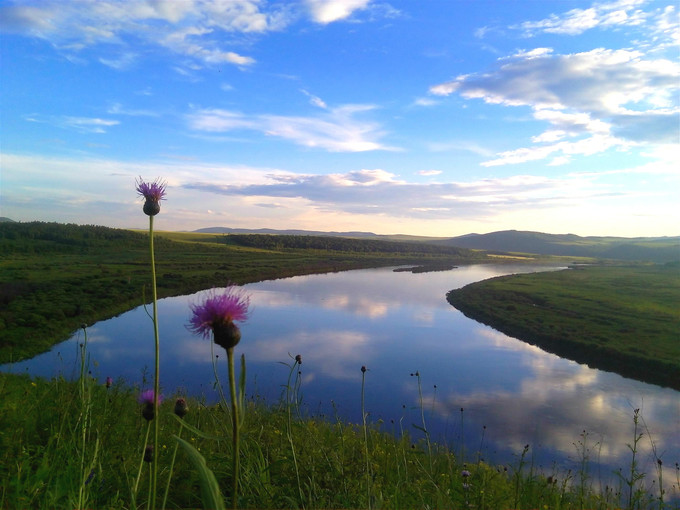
[(484, 303)]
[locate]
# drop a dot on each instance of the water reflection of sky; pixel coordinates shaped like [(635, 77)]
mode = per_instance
[(397, 323)]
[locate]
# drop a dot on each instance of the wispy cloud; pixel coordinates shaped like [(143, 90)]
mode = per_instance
[(599, 98), (198, 29), (599, 15), (376, 192), (193, 28), (328, 11), (336, 130), (80, 124), (119, 109)]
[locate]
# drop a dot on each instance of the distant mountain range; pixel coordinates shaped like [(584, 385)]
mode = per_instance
[(653, 249)]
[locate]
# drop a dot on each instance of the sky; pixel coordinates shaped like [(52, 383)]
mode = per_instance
[(433, 118)]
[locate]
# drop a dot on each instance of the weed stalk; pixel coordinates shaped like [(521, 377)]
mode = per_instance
[(363, 418)]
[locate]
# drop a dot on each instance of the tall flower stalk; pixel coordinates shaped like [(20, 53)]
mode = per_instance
[(216, 316), (153, 193)]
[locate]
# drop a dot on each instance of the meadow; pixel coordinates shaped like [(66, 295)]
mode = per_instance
[(81, 444), (85, 443), (621, 318)]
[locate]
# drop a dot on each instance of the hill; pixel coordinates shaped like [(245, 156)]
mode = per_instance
[(227, 230), (651, 249)]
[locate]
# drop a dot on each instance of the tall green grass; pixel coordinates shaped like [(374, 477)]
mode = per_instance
[(78, 444)]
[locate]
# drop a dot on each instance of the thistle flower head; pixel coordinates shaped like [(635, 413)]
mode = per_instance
[(217, 315), (153, 193), (109, 382), (146, 398)]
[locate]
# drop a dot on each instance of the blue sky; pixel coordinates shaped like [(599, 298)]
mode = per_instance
[(436, 117)]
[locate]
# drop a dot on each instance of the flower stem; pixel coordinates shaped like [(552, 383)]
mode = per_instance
[(141, 461), (235, 426), (363, 418), (172, 466), (154, 467)]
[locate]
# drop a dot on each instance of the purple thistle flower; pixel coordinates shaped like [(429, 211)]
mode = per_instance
[(146, 397), (109, 382), (153, 193), (217, 315)]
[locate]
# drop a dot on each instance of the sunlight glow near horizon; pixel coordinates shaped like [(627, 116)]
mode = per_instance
[(432, 118)]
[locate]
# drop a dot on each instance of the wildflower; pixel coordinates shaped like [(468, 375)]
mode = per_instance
[(181, 408), (109, 382), (363, 369), (298, 359), (147, 399), (217, 315), (148, 453), (465, 473), (153, 193)]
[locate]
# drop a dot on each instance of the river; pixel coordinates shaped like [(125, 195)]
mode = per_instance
[(484, 394)]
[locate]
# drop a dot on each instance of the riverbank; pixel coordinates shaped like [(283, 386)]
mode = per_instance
[(622, 318), (57, 277)]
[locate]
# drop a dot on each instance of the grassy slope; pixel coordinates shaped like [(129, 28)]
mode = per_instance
[(624, 319), (54, 277)]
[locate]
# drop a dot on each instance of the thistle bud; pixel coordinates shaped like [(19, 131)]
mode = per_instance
[(227, 335), (148, 453), (148, 412), (151, 207), (181, 408)]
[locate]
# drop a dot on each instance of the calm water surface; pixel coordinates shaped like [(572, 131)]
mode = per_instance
[(483, 393)]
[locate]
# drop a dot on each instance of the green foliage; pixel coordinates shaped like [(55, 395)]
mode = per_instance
[(41, 451), (620, 318), (210, 489)]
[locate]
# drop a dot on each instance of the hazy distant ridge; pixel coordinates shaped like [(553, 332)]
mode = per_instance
[(227, 230), (654, 249)]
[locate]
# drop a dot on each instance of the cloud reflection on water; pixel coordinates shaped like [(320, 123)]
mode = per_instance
[(395, 323)]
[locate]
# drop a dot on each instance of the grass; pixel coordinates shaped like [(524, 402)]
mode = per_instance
[(60, 444), (622, 318), (83, 444)]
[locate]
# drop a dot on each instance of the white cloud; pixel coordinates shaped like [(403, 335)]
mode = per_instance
[(52, 189), (118, 109), (121, 62), (336, 130), (80, 124), (314, 100), (194, 28), (611, 98), (577, 21), (328, 11)]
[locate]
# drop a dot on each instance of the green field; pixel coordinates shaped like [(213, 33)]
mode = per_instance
[(55, 277), (81, 444), (623, 318)]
